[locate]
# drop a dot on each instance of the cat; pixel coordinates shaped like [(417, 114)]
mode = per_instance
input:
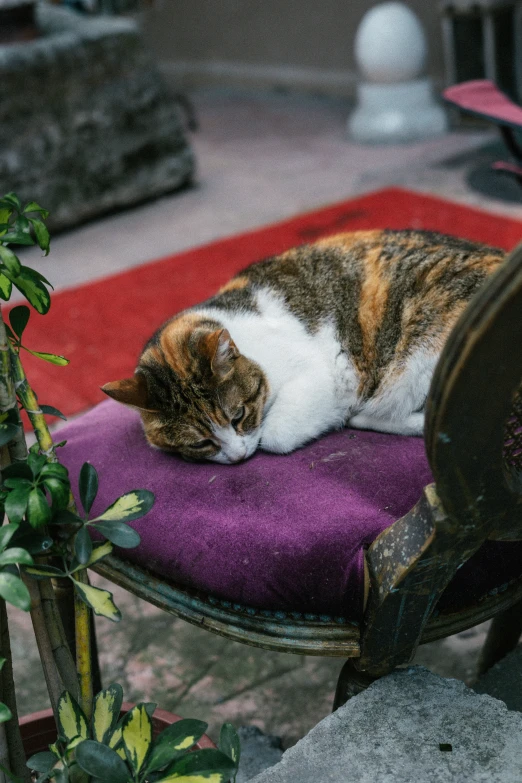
[(345, 331)]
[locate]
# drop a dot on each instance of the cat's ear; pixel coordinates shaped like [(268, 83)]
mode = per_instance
[(221, 352), (130, 391)]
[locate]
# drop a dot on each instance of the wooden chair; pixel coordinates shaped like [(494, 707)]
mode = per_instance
[(474, 445)]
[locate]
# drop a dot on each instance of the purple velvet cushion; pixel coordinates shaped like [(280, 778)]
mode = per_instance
[(276, 532)]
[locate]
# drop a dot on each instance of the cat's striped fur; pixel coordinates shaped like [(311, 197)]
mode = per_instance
[(346, 330)]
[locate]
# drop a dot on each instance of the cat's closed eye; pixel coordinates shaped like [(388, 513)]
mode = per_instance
[(202, 444), (238, 415)]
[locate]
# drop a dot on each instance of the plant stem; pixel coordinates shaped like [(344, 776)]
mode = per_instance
[(83, 647), (12, 730), (17, 448), (29, 401), (44, 610), (82, 624)]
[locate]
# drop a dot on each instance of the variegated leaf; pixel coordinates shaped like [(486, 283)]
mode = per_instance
[(137, 736), (132, 505), (100, 552), (106, 713), (99, 600), (71, 720), (173, 741)]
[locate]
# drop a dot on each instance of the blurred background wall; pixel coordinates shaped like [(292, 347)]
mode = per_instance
[(290, 44)]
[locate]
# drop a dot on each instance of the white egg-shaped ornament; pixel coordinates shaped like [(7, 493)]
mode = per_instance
[(395, 100), (390, 45)]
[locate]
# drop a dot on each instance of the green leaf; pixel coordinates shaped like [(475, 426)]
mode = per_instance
[(44, 572), (18, 317), (34, 207), (33, 289), (38, 512), (17, 237), (18, 483), (34, 543), (13, 590), (119, 533), (18, 469), (202, 766), (6, 534), (88, 485), (7, 433), (5, 713), (19, 233), (102, 762), (16, 504), (71, 719), (37, 463), (100, 601), (229, 742), (106, 712), (6, 210), (38, 276), (173, 741), (55, 469), (52, 358), (15, 554), (5, 287), (42, 234), (83, 546), (59, 491), (137, 736), (132, 505), (65, 517), (42, 762), (10, 260), (50, 411), (12, 200), (99, 552)]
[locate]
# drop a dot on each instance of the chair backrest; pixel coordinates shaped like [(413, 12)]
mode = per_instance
[(474, 445)]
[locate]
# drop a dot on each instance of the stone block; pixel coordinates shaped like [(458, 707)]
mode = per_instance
[(410, 727), (87, 123)]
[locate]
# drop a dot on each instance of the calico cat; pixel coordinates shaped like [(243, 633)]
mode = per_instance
[(344, 331)]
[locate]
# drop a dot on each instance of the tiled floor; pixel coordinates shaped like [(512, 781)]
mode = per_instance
[(261, 159)]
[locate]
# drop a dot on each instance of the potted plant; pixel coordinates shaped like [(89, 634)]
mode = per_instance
[(45, 540)]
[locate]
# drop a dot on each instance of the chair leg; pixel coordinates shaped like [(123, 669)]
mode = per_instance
[(503, 636), (351, 682)]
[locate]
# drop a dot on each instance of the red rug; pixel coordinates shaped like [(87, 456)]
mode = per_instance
[(102, 326)]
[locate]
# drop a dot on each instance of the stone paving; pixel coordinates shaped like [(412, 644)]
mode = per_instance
[(261, 158)]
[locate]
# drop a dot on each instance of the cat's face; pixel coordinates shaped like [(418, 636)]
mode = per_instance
[(197, 395)]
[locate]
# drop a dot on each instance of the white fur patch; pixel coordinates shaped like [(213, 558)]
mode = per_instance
[(313, 383)]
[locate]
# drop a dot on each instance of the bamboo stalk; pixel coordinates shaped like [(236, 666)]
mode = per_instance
[(17, 755), (54, 682), (83, 648)]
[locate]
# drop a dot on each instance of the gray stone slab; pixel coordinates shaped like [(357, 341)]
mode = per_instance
[(87, 123), (504, 681), (396, 732)]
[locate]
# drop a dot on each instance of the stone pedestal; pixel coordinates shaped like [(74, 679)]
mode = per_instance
[(87, 124), (395, 100)]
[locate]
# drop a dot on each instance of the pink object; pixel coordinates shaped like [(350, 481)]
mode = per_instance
[(483, 98)]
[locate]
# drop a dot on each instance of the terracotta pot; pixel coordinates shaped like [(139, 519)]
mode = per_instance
[(39, 729)]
